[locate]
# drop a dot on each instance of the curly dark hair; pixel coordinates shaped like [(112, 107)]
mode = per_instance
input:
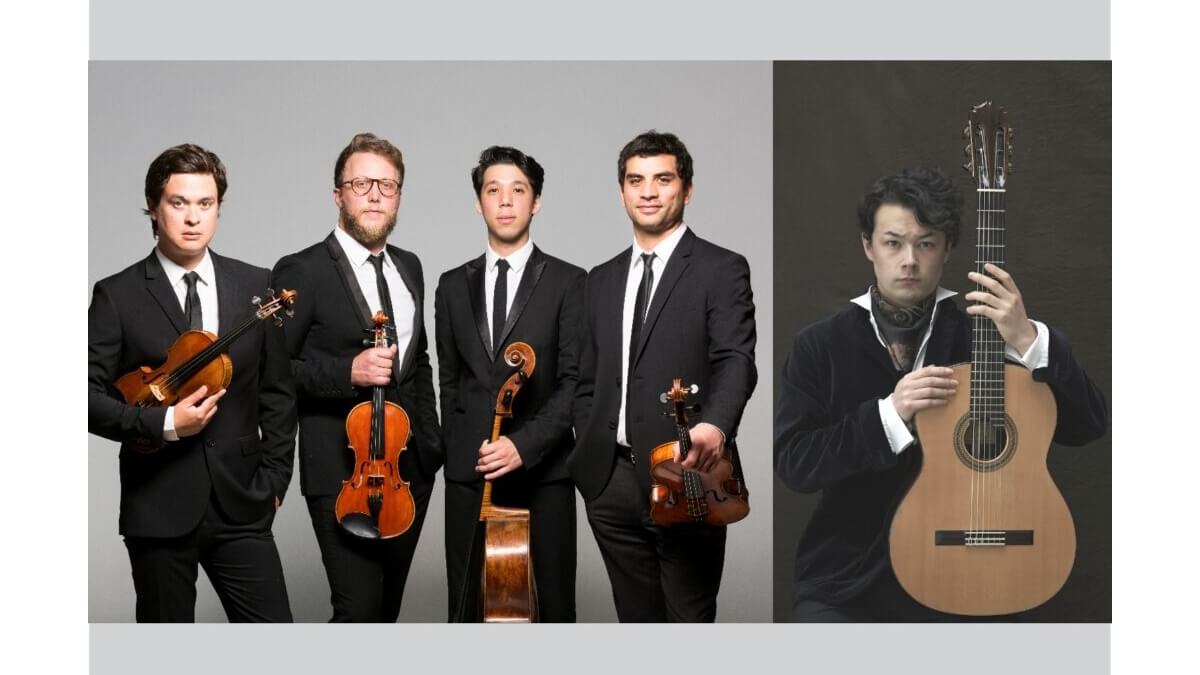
[(501, 154), (925, 190)]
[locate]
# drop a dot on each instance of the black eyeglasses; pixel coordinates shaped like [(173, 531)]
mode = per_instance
[(361, 186)]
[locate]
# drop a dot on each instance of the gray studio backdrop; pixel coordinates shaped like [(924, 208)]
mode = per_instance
[(279, 126)]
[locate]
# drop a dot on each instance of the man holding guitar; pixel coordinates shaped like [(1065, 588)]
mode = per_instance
[(672, 306), (201, 479), (512, 293), (854, 382)]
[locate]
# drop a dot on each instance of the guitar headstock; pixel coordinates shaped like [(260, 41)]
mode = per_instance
[(521, 357), (989, 146), (274, 305)]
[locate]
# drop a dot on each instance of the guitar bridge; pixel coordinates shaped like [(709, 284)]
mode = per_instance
[(983, 538)]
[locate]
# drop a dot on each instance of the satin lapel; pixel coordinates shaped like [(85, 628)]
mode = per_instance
[(679, 262), (228, 293), (475, 284), (341, 264), (529, 279), (160, 289), (409, 278)]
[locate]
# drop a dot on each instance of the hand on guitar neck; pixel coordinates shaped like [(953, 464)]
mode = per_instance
[(708, 447), (1002, 303)]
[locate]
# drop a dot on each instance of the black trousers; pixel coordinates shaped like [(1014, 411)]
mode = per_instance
[(552, 543), (657, 573), (240, 559), (367, 576)]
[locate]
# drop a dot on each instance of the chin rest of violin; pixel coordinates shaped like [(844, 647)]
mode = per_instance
[(361, 525)]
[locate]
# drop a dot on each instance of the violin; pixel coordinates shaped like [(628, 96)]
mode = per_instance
[(196, 359), (375, 502), (507, 591), (679, 496)]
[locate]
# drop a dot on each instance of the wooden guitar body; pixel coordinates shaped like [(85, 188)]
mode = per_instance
[(985, 532), (679, 497)]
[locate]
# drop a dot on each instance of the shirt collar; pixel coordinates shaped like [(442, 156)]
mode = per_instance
[(175, 272), (864, 300), (664, 249), (516, 261), (356, 252)]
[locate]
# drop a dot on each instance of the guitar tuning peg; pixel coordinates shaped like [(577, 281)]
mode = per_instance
[(278, 321), (256, 301), (967, 131), (290, 312), (271, 293), (693, 389), (662, 398), (969, 167)]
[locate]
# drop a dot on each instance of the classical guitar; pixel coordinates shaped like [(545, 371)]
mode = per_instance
[(680, 496), (375, 502), (983, 530), (507, 592), (197, 358)]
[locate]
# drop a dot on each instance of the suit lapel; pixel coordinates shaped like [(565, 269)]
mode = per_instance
[(409, 278), (349, 282), (679, 262), (160, 289), (475, 290), (529, 279), (228, 292)]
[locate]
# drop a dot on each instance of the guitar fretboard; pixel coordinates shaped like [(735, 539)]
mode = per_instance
[(987, 347)]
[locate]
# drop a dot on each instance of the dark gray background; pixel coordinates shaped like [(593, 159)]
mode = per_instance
[(839, 126), (278, 127)]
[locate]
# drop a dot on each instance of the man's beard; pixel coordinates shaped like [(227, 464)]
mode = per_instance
[(363, 235)]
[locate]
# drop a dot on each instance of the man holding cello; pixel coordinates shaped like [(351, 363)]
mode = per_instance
[(513, 292), (346, 279), (200, 479)]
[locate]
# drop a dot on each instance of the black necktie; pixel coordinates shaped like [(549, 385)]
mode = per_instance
[(635, 334), (499, 303), (191, 305), (385, 300)]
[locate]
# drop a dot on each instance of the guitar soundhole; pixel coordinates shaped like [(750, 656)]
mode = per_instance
[(985, 444)]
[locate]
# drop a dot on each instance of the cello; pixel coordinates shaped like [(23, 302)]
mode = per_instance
[(375, 502), (196, 359), (983, 530), (507, 592), (679, 496)]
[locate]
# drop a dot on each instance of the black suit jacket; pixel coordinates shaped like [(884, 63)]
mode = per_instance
[(331, 320), (245, 453), (546, 314), (699, 327)]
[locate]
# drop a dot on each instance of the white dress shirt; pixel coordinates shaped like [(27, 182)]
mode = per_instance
[(516, 267), (403, 303), (206, 288), (898, 434), (662, 253)]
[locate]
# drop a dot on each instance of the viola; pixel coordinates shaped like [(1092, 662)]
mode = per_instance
[(375, 502), (197, 359), (680, 496), (507, 592)]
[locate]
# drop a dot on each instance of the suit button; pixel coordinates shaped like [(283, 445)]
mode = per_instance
[(612, 424), (211, 444)]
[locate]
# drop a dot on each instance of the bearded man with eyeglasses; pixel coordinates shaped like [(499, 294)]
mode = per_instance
[(345, 280)]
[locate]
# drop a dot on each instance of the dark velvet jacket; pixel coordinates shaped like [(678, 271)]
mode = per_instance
[(829, 437)]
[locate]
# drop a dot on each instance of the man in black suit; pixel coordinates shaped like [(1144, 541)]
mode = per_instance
[(698, 325), (345, 279), (200, 482), (512, 293)]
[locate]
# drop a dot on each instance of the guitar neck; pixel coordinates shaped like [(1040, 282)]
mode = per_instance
[(987, 347)]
